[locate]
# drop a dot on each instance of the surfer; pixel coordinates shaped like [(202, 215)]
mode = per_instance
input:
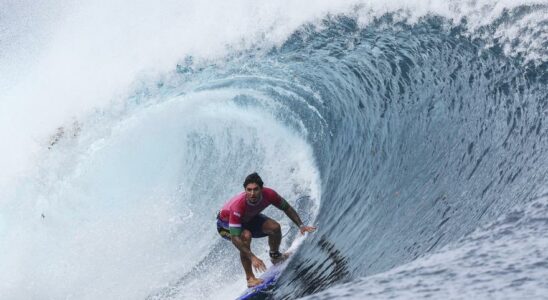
[(240, 220)]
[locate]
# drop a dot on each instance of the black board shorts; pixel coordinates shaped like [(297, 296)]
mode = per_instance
[(255, 225)]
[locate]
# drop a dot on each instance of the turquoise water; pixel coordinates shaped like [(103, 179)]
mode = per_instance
[(405, 135)]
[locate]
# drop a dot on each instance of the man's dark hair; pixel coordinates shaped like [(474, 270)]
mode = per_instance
[(253, 178)]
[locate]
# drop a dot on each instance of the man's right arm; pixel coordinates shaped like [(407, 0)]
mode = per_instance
[(237, 241), (235, 227), (256, 262)]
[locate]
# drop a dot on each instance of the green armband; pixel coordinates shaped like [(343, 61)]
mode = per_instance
[(284, 205), (235, 231)]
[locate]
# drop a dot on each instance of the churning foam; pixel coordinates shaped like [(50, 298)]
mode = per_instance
[(126, 207)]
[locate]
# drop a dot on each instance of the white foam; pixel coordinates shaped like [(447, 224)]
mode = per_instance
[(119, 213)]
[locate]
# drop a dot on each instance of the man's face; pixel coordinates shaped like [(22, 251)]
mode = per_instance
[(253, 192)]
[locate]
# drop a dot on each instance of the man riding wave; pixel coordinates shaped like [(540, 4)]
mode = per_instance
[(240, 220)]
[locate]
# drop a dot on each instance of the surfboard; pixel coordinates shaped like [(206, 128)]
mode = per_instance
[(269, 277)]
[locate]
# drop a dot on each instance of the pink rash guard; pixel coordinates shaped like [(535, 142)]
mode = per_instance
[(238, 210)]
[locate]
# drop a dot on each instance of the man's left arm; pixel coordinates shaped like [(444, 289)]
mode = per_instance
[(294, 216)]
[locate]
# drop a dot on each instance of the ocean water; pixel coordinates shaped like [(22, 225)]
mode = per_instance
[(412, 135)]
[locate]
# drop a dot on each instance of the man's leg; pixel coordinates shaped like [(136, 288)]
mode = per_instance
[(246, 261), (274, 232)]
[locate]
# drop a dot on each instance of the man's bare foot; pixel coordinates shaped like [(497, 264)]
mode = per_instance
[(251, 282), (279, 259)]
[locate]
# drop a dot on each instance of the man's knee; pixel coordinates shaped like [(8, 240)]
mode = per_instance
[(272, 227), (246, 236)]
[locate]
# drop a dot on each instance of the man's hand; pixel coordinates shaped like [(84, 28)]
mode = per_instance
[(258, 264), (292, 214), (304, 229)]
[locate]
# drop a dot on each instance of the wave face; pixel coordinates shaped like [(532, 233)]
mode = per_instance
[(396, 139), (429, 136)]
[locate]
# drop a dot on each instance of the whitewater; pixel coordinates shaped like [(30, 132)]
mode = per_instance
[(414, 136)]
